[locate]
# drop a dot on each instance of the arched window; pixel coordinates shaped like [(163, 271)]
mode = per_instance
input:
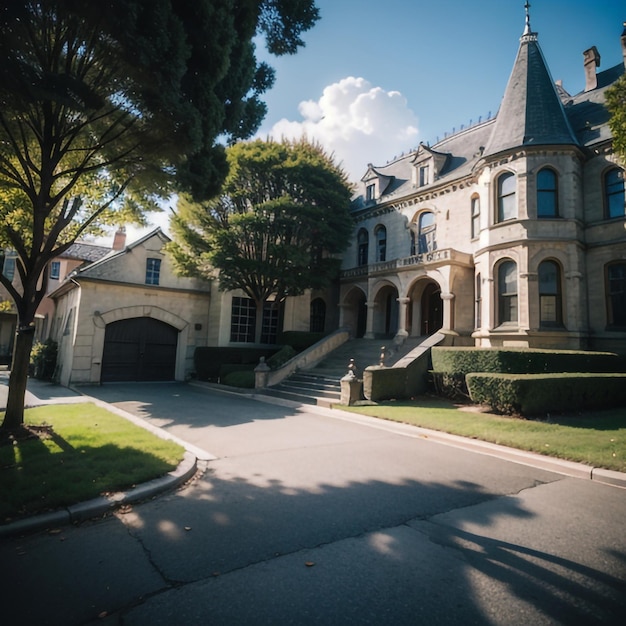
[(507, 292), (318, 316), (547, 196), (475, 217), (550, 300), (616, 294), (478, 302), (426, 238), (413, 242), (507, 202), (614, 193), (381, 243), (362, 247)]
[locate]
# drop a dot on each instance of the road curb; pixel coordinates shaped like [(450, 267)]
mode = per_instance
[(104, 504)]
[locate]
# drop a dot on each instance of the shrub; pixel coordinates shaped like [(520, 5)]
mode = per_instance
[(300, 340), (384, 383), (43, 359), (281, 357), (463, 360), (537, 394), (242, 378), (209, 360)]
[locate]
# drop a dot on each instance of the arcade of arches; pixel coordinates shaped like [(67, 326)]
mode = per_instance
[(388, 314)]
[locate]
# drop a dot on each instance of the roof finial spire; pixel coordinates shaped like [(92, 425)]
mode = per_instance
[(527, 30)]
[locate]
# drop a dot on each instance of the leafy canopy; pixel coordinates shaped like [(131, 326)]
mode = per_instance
[(108, 105), (616, 103), (277, 226)]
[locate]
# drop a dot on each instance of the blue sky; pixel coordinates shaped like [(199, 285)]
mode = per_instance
[(378, 76), (426, 68)]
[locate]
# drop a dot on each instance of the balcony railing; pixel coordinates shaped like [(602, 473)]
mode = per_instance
[(425, 259)]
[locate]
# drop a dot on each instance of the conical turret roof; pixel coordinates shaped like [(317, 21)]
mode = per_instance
[(531, 112)]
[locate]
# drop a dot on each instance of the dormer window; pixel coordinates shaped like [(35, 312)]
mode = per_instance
[(370, 192), (423, 175)]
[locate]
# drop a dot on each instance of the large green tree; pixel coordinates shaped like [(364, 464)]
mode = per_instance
[(616, 103), (108, 105), (276, 227)]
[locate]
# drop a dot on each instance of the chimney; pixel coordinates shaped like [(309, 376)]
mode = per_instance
[(592, 61), (119, 241), (623, 40)]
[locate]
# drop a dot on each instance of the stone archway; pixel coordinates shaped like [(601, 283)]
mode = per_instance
[(431, 309)]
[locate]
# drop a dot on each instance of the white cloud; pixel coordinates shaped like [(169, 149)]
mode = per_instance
[(357, 122)]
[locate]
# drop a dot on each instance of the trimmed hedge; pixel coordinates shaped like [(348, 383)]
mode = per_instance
[(209, 360), (463, 360), (300, 340), (281, 357), (384, 383), (537, 394), (241, 378)]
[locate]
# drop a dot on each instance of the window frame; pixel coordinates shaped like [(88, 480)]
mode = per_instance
[(362, 247), (547, 191), (610, 195), (507, 302), (426, 234), (506, 198), (615, 298), (475, 217), (153, 271), (381, 243), (242, 319), (55, 270), (550, 299)]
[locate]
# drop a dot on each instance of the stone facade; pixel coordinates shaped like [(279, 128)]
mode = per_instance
[(503, 234)]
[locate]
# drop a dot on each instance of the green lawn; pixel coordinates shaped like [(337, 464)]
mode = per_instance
[(87, 452), (595, 438)]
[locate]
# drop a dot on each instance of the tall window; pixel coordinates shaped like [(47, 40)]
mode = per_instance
[(370, 192), (318, 316), (616, 294), (55, 269), (413, 242), (269, 325), (8, 267), (547, 196), (478, 303), (426, 239), (362, 247), (242, 320), (475, 217), (550, 300), (507, 202), (153, 271), (423, 175), (507, 292), (614, 193), (381, 243)]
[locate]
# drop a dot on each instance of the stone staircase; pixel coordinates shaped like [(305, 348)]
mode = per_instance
[(321, 385)]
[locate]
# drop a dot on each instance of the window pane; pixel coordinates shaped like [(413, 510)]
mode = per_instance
[(381, 242), (269, 327), (153, 270), (614, 193), (243, 320), (507, 202), (616, 300), (507, 292)]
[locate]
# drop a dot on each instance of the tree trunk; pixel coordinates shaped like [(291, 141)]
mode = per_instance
[(14, 417), (258, 322)]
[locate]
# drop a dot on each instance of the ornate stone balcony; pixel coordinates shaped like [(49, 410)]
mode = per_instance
[(426, 260)]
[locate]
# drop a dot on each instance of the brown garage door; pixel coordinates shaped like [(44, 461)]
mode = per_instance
[(139, 348)]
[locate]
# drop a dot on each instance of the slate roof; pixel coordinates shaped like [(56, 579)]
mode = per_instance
[(531, 112), (86, 252)]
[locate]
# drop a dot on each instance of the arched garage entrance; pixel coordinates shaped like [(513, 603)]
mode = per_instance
[(139, 349)]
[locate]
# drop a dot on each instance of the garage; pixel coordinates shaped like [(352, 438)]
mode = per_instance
[(139, 349)]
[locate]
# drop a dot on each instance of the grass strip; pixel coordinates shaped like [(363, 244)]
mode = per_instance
[(84, 451), (595, 438)]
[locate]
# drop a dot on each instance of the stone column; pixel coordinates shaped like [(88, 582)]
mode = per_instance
[(402, 333), (448, 317), (369, 327)]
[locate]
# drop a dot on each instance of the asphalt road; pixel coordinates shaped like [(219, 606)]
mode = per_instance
[(305, 517)]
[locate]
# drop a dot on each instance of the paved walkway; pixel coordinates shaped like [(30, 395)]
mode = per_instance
[(319, 517)]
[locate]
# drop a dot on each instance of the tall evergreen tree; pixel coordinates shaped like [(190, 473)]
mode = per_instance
[(106, 106), (276, 227)]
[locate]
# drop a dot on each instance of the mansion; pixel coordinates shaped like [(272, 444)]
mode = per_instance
[(509, 233)]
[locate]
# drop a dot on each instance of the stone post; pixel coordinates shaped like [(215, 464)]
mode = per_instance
[(261, 372), (351, 386)]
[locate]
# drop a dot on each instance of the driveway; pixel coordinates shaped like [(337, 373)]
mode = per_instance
[(307, 517)]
